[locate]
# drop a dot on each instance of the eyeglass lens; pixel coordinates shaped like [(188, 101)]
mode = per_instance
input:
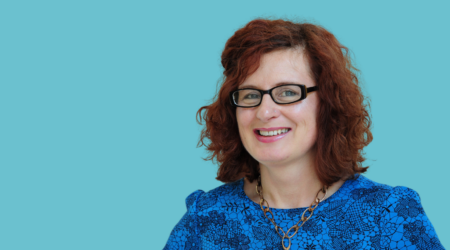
[(281, 94)]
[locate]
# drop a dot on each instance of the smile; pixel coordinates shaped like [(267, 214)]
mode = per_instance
[(269, 135), (273, 132)]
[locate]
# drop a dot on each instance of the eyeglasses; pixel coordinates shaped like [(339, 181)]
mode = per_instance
[(283, 94)]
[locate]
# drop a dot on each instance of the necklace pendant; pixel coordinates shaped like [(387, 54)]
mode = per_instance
[(282, 242)]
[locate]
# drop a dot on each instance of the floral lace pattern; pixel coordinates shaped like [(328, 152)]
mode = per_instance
[(362, 214)]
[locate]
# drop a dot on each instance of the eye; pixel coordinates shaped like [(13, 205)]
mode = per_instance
[(288, 93), (251, 96)]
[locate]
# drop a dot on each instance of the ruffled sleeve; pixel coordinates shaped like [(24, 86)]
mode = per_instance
[(184, 235), (404, 224)]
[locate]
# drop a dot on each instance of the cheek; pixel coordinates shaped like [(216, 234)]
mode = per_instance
[(240, 118), (311, 123), (303, 115), (244, 119), (305, 118)]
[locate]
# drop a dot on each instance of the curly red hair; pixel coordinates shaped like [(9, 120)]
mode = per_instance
[(343, 119)]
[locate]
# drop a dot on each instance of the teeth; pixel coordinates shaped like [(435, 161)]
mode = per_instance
[(273, 132)]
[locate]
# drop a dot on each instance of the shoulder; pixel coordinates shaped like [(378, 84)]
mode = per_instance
[(363, 190), (388, 197), (222, 195), (393, 216), (403, 202), (404, 221), (362, 182)]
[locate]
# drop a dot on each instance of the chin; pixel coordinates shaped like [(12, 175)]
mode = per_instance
[(271, 157)]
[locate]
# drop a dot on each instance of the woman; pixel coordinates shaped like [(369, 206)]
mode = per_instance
[(287, 128)]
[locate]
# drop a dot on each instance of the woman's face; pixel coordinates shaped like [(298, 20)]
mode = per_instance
[(295, 146)]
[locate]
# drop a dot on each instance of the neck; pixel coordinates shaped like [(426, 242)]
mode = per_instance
[(289, 186)]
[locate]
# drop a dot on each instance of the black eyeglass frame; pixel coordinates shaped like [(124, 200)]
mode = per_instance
[(304, 89)]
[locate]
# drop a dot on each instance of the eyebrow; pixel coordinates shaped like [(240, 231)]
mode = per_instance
[(276, 85)]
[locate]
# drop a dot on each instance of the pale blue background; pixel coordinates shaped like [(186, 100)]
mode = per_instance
[(98, 100)]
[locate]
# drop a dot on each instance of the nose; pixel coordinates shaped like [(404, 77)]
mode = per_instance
[(268, 109)]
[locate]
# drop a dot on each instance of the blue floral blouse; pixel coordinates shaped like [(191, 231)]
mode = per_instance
[(362, 214)]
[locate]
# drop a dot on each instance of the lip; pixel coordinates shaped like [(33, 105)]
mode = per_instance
[(270, 139)]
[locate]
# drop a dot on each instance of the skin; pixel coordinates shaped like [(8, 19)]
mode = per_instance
[(287, 165)]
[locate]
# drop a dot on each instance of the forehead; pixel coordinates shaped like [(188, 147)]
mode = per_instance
[(281, 66)]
